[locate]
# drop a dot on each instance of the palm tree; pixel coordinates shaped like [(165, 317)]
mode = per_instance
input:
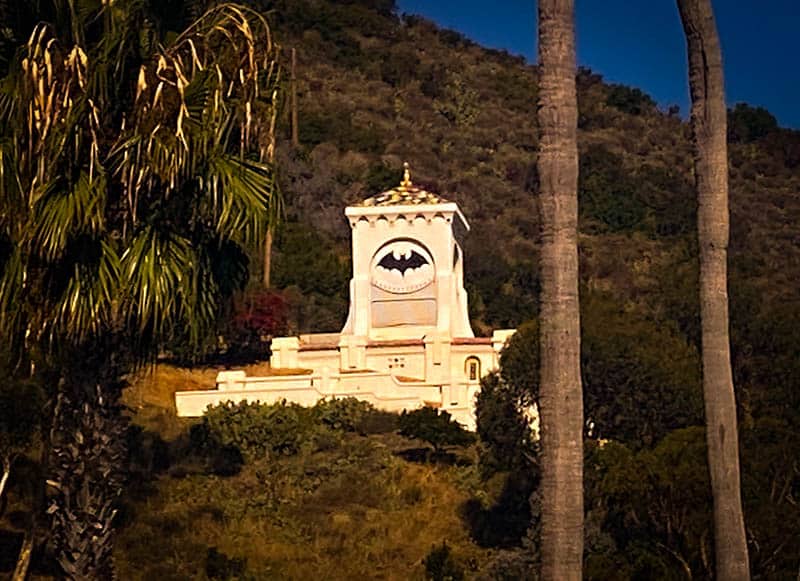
[(561, 402), (709, 128), (133, 172)]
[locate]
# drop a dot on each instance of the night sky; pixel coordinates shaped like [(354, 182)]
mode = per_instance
[(641, 43)]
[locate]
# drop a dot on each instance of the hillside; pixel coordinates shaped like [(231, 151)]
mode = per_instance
[(344, 506), (376, 90)]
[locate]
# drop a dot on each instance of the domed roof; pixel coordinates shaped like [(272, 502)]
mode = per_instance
[(406, 194)]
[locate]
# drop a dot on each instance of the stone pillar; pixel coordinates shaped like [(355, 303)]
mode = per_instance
[(231, 380), (437, 358), (284, 353), (352, 353)]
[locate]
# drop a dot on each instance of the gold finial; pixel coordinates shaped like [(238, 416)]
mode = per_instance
[(406, 183)]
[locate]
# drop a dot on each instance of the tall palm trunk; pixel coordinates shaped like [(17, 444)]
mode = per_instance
[(709, 127), (561, 400)]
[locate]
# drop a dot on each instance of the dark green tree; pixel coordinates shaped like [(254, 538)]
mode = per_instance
[(747, 124), (435, 427)]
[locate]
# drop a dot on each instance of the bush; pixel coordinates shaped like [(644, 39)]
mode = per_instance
[(629, 100), (433, 79), (519, 365), (747, 124), (607, 195), (380, 177), (436, 428), (346, 414), (503, 427), (231, 431), (379, 422), (399, 66), (259, 429), (641, 380), (440, 565), (460, 103), (649, 501), (259, 316), (316, 128)]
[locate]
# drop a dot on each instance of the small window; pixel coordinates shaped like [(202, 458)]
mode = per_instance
[(472, 368)]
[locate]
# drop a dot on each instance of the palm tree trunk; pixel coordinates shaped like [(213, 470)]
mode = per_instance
[(709, 127), (561, 400)]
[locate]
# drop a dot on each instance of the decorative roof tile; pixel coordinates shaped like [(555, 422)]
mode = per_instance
[(406, 194)]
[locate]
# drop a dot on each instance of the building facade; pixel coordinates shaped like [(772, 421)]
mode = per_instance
[(407, 341)]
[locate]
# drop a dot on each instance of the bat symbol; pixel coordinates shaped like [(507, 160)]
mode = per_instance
[(404, 263)]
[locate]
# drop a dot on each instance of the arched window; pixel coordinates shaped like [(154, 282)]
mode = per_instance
[(472, 368)]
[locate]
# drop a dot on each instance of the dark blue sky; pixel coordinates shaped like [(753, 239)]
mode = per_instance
[(641, 43)]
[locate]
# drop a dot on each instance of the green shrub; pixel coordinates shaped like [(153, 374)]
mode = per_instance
[(379, 422), (608, 198), (503, 427), (519, 364), (344, 414), (399, 66), (453, 38), (747, 124), (641, 380), (259, 429), (629, 100), (460, 103), (436, 428), (649, 501), (433, 79), (318, 127), (255, 430), (380, 177)]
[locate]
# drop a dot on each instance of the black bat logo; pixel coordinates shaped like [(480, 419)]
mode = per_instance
[(404, 263)]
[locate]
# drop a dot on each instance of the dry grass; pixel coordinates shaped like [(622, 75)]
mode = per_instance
[(352, 512), (151, 394)]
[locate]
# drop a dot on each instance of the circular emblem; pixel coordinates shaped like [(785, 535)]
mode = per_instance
[(402, 266)]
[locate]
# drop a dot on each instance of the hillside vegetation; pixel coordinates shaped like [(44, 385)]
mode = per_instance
[(376, 89), (334, 501)]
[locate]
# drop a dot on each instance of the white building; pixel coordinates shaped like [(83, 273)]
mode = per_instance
[(407, 341)]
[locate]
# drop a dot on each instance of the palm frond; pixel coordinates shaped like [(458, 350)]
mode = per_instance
[(12, 287), (201, 294), (155, 269), (212, 91), (12, 204), (86, 306), (241, 192), (58, 123), (61, 215), (78, 167)]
